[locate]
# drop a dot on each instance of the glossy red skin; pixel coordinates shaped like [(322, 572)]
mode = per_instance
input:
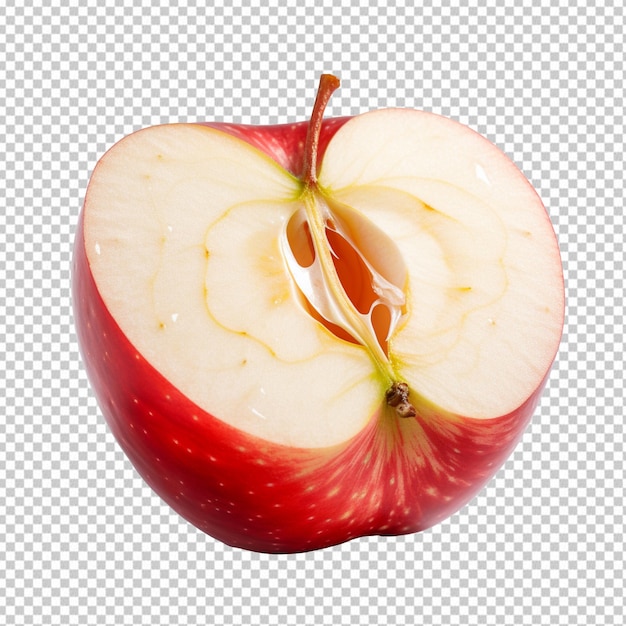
[(397, 476)]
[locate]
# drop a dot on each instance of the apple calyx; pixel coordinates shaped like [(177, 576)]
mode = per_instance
[(397, 396), (341, 279)]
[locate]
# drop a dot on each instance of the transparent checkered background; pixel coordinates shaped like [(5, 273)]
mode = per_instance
[(82, 539)]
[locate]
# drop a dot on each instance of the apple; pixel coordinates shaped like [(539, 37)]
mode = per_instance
[(311, 332)]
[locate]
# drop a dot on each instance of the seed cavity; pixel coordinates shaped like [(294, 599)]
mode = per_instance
[(349, 275)]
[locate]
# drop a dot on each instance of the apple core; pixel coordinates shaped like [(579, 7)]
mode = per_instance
[(349, 275)]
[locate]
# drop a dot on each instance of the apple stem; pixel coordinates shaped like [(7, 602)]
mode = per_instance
[(328, 84), (397, 396)]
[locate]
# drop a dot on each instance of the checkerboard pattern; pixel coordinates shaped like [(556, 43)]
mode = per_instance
[(82, 539)]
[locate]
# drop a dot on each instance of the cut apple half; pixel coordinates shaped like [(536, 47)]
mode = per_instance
[(306, 333)]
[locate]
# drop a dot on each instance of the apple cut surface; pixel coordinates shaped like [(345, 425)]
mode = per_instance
[(210, 303)]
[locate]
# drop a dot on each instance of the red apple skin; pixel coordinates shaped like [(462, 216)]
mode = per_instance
[(397, 476), (284, 142)]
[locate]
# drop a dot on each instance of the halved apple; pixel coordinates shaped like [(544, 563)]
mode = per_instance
[(306, 333)]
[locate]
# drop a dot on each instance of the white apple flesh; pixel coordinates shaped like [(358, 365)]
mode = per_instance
[(301, 340)]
